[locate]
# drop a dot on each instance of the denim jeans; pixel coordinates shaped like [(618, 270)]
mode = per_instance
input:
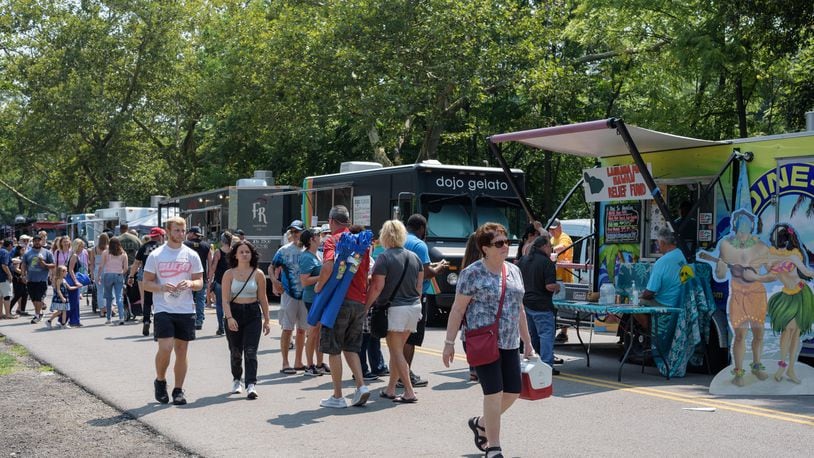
[(200, 303), (541, 328), (100, 290), (217, 289), (371, 351), (112, 285), (243, 343)]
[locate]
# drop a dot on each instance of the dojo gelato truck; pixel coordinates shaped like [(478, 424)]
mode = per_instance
[(648, 180), (455, 200)]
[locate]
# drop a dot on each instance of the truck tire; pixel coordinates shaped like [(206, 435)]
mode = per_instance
[(436, 318), (718, 356)]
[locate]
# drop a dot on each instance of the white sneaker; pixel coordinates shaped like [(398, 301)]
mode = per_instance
[(251, 391), (360, 396), (236, 389), (48, 324), (107, 322), (334, 403), (57, 325), (66, 326)]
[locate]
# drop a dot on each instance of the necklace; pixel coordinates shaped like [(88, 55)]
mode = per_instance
[(750, 242)]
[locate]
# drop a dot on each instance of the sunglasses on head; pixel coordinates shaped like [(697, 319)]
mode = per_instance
[(500, 243)]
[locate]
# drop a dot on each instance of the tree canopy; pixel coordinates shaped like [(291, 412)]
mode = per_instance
[(119, 99)]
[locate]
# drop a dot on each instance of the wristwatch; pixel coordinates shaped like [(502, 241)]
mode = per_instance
[(449, 342)]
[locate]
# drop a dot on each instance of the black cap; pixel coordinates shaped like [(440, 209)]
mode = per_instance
[(194, 230), (240, 232), (554, 224), (36, 237)]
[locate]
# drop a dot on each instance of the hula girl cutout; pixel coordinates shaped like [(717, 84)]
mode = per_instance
[(791, 310)]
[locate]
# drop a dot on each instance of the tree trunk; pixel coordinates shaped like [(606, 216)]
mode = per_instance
[(740, 105)]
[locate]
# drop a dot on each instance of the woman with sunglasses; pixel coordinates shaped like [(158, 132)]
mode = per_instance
[(477, 298)]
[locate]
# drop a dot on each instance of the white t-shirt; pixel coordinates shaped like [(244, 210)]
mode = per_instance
[(172, 266)]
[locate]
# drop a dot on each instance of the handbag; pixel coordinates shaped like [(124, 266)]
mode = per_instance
[(481, 343), (378, 316)]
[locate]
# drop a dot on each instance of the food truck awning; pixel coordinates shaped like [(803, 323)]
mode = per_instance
[(599, 139)]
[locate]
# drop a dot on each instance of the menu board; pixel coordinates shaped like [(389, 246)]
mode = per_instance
[(622, 222)]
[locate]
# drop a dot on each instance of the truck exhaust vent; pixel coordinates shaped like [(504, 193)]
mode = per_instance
[(115, 204), (267, 175)]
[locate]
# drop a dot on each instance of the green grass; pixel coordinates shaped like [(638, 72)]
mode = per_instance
[(19, 350), (45, 368), (8, 363)]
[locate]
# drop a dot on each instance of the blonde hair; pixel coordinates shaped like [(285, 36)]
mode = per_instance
[(175, 220), (393, 234), (60, 273), (75, 246)]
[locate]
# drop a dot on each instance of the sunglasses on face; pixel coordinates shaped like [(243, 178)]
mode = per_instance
[(501, 243)]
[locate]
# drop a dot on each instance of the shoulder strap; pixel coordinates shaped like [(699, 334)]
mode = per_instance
[(398, 285), (244, 285)]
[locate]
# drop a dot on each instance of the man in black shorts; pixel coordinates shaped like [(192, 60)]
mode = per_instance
[(172, 272)]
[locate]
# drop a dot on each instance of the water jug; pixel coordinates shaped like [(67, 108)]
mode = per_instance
[(535, 379), (607, 294)]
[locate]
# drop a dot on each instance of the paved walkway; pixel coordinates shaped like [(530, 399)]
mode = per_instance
[(590, 413)]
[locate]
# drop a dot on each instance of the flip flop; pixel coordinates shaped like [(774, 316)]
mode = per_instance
[(382, 394), (480, 441), (288, 371), (301, 368), (403, 400)]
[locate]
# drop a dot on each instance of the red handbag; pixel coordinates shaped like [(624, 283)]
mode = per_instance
[(481, 343)]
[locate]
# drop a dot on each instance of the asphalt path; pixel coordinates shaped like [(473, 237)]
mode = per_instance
[(590, 413)]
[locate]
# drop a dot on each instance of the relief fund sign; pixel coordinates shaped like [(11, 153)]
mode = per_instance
[(618, 182)]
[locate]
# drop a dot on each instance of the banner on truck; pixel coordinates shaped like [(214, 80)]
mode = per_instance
[(617, 182)]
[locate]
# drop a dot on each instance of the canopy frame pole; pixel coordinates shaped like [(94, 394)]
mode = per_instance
[(512, 182), (655, 192), (565, 200), (736, 155)]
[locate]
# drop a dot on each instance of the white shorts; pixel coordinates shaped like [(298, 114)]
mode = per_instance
[(5, 289), (403, 318), (292, 313)]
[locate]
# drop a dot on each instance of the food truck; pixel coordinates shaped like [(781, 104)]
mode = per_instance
[(260, 210), (645, 177), (455, 200)]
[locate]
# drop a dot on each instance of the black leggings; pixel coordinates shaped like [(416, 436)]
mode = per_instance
[(502, 375), (147, 306), (20, 294), (243, 343)]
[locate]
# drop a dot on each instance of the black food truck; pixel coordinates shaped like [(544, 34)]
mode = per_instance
[(455, 199)]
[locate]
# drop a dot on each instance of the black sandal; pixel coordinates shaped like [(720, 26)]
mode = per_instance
[(497, 450), (480, 441)]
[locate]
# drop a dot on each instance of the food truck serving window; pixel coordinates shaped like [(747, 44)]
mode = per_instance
[(680, 195)]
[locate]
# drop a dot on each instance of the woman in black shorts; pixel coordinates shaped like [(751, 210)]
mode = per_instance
[(477, 297)]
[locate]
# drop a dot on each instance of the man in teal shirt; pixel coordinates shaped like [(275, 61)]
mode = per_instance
[(664, 285)]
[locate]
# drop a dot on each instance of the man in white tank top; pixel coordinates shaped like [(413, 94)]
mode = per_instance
[(172, 272)]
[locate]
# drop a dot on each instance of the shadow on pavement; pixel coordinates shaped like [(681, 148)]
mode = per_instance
[(310, 417), (139, 412)]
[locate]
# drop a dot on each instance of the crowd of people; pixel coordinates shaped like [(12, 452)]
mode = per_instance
[(171, 275)]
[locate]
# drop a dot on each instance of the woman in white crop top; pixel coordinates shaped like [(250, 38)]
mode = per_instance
[(244, 302)]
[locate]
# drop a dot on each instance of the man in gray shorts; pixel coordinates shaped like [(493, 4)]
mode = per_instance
[(293, 315), (346, 335)]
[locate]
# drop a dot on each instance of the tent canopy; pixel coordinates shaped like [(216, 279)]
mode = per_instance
[(599, 139)]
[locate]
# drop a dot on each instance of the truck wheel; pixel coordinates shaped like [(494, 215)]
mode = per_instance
[(436, 318), (718, 356)]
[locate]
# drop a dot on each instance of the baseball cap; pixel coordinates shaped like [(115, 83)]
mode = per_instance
[(554, 224), (194, 230), (240, 232), (156, 232), (36, 237), (296, 225), (325, 228)]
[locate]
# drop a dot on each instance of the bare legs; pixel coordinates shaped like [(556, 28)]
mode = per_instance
[(399, 367), (312, 344), (789, 343), (493, 407), (162, 360), (336, 370), (299, 344)]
